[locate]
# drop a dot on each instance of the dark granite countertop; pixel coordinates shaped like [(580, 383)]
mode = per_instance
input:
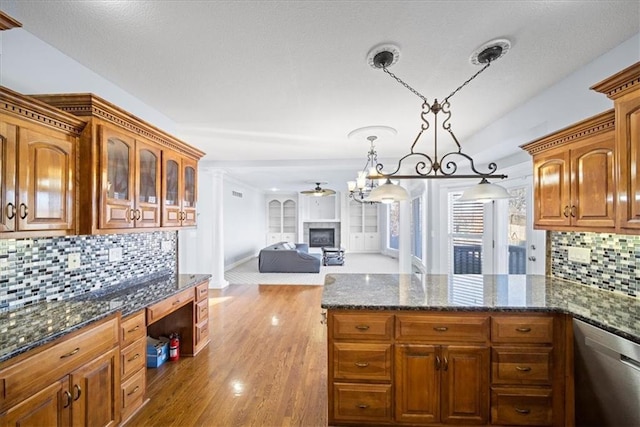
[(28, 327), (614, 312)]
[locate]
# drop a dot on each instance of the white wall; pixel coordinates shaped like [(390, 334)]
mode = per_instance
[(244, 222), (29, 66)]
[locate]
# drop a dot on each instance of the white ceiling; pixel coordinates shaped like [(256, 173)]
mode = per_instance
[(276, 86)]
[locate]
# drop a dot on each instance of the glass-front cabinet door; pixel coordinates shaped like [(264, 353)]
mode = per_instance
[(189, 193), (147, 212), (171, 186), (117, 165)]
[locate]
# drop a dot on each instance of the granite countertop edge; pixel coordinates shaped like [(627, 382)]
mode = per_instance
[(563, 306), (102, 298)]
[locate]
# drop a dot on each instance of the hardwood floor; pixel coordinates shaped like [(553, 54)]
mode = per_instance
[(265, 366)]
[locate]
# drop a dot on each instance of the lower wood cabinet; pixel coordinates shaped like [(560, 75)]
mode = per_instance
[(82, 377), (446, 384), (421, 368), (133, 354)]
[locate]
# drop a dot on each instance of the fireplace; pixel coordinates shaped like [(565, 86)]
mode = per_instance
[(319, 237)]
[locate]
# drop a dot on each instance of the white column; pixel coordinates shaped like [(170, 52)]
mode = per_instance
[(215, 241), (404, 249)]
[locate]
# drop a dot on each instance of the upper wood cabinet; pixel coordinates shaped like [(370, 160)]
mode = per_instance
[(624, 89), (141, 176), (574, 173), (130, 181), (37, 167), (179, 186)]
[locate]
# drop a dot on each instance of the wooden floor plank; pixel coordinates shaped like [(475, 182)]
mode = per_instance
[(265, 365)]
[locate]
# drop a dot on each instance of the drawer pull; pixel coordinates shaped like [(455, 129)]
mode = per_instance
[(523, 368), (362, 364), (64, 356), (362, 406), (176, 302), (134, 390), (134, 329), (134, 357), (441, 329), (522, 411), (78, 391), (523, 330), (68, 396), (203, 291), (362, 327)]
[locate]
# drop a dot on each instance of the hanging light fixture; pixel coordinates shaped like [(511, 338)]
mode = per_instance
[(437, 165), (363, 185)]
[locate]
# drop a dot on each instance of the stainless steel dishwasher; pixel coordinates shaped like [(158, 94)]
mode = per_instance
[(607, 378)]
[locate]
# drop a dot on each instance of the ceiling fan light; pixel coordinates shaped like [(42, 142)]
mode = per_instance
[(484, 192), (388, 193)]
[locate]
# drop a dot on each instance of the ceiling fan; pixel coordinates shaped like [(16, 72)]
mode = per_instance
[(318, 191)]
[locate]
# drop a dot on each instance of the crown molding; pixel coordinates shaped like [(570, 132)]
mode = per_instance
[(620, 83), (7, 22), (598, 124), (88, 105)]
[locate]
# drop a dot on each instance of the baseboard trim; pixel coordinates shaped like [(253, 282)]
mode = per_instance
[(237, 263)]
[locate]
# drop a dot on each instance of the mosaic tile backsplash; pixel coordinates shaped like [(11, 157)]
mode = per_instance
[(615, 260), (35, 270)]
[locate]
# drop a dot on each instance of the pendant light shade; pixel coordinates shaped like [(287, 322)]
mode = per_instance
[(388, 193), (484, 192)]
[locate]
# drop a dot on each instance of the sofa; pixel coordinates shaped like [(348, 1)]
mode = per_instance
[(285, 257)]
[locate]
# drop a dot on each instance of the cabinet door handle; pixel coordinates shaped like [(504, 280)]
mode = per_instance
[(323, 320), (134, 357), (523, 368), (69, 399), (566, 211), (362, 406), (64, 356), (134, 329), (361, 364), (11, 210), (138, 214), (78, 391), (445, 364), (24, 211), (574, 211), (441, 329), (523, 411), (133, 391), (523, 330), (362, 327), (132, 215), (438, 363)]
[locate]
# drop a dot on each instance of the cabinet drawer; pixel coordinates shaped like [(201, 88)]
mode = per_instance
[(362, 361), (362, 402), (46, 366), (521, 407), (522, 329), (362, 326), (161, 309), (442, 328), (133, 391), (202, 311), (133, 328), (521, 365), (202, 291), (202, 332), (133, 357)]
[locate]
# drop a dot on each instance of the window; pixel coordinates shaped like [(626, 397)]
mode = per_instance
[(517, 231), (394, 225), (466, 227), (416, 228)]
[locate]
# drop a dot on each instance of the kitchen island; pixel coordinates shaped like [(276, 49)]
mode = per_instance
[(462, 349)]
